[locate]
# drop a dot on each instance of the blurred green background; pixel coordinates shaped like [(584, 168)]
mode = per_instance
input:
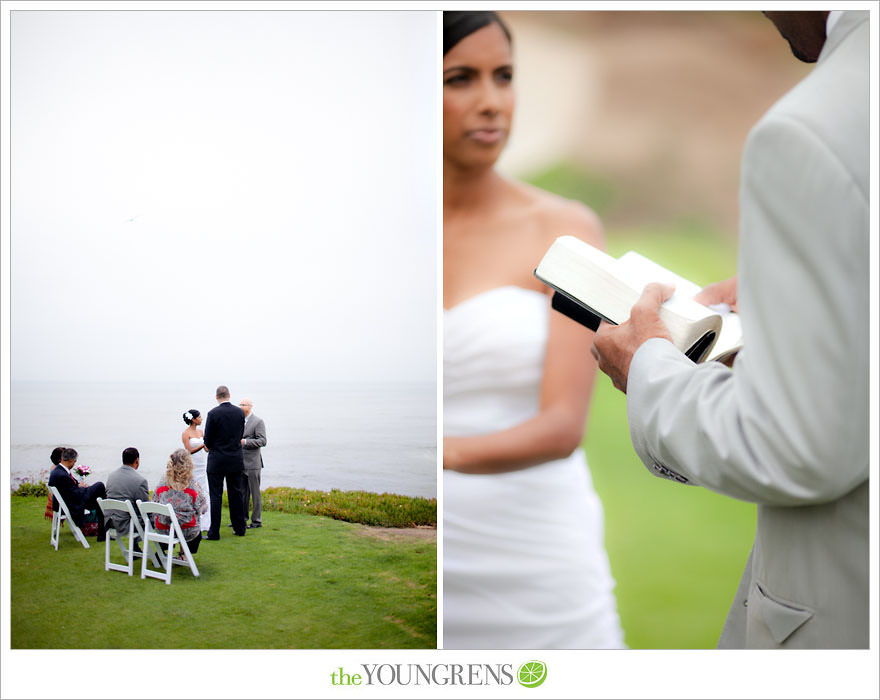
[(642, 116), (676, 551)]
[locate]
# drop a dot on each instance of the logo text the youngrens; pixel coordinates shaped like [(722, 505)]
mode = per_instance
[(425, 674)]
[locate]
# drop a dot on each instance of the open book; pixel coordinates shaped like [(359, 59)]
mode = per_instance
[(591, 286)]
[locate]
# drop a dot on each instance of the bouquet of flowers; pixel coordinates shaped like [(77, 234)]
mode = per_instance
[(83, 471)]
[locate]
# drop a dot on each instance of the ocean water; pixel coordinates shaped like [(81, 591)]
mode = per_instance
[(378, 437)]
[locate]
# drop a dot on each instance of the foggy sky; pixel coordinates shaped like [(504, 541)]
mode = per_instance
[(223, 194)]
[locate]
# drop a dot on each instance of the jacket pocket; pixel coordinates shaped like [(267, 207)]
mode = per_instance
[(780, 616)]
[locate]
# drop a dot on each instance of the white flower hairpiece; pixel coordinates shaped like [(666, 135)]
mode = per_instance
[(188, 415)]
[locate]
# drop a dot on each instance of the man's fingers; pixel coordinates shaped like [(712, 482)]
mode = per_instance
[(710, 295), (652, 298), (599, 339), (603, 325), (656, 293), (723, 292)]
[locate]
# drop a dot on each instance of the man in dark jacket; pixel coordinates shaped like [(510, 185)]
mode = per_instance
[(77, 497), (224, 428)]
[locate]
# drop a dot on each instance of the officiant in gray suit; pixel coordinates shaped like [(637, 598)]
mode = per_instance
[(252, 443), (787, 427)]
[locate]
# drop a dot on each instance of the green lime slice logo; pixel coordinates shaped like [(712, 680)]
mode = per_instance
[(531, 674)]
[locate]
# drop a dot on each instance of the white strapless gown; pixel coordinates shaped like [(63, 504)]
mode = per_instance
[(200, 474), (524, 561)]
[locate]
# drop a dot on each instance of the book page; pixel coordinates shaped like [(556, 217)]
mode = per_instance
[(588, 275), (731, 336), (599, 283), (638, 271)]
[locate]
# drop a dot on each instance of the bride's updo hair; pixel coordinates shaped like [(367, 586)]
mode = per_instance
[(459, 24), (179, 470), (190, 415)]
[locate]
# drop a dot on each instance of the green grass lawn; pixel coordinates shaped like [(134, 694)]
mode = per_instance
[(301, 581), (677, 552)]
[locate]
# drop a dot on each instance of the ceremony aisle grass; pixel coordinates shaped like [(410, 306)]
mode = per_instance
[(300, 581)]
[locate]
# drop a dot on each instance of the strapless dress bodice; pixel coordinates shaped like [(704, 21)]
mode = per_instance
[(493, 360), (200, 458), (524, 563), (200, 473)]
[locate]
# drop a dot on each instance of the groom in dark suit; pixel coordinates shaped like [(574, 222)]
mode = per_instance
[(224, 428)]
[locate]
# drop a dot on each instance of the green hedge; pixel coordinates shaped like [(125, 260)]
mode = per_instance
[(381, 509), (31, 488)]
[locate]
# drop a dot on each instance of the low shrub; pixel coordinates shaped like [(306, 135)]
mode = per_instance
[(26, 486), (379, 509)]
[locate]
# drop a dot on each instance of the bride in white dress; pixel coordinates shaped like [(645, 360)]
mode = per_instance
[(524, 561), (194, 442)]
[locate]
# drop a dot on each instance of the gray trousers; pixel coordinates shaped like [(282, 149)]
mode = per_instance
[(251, 484)]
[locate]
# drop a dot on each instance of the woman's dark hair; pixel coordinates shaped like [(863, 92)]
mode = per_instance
[(190, 415), (458, 25)]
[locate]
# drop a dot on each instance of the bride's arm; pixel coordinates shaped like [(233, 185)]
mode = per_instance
[(569, 372), (187, 446)]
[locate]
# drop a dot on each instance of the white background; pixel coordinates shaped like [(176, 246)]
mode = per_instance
[(207, 194), (222, 674)]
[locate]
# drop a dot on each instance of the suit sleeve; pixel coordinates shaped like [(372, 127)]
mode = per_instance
[(72, 494), (788, 425), (209, 432), (259, 436), (143, 492), (54, 481), (68, 490)]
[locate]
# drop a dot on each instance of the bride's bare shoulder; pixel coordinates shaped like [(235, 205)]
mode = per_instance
[(557, 216)]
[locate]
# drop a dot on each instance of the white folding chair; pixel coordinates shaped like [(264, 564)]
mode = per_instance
[(135, 531), (174, 536), (156, 556), (111, 504), (61, 515)]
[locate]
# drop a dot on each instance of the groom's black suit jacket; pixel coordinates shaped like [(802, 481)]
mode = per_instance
[(224, 429)]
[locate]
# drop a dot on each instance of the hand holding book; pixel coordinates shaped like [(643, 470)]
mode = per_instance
[(591, 286), (615, 345), (635, 299), (723, 292)]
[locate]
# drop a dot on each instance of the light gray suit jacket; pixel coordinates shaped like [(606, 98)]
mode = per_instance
[(254, 441), (125, 484), (787, 428)]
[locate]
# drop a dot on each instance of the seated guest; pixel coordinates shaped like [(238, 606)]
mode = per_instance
[(183, 492), (125, 484), (77, 497), (55, 458)]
